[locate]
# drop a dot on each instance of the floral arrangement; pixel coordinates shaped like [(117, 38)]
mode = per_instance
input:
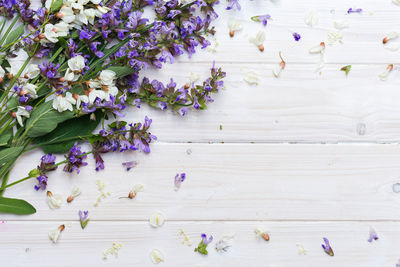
[(89, 55)]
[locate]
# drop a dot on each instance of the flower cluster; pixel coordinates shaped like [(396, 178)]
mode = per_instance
[(47, 163)]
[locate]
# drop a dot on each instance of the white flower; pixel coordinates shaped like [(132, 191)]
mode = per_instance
[(14, 69), (77, 63), (31, 90), (63, 103), (75, 192), (311, 18), (61, 29), (234, 26), (112, 251), (277, 70), (301, 250), (70, 75), (2, 72), (317, 49), (340, 25), (156, 256), (107, 77), (111, 90), (261, 233), (321, 62), (102, 9), (333, 36), (32, 71), (258, 40), (54, 201), (138, 188), (156, 219), (50, 34), (384, 75), (396, 2), (94, 84), (54, 234), (21, 112), (96, 94), (390, 36), (96, 2), (67, 14), (251, 77), (81, 99), (223, 244), (49, 3), (90, 13)]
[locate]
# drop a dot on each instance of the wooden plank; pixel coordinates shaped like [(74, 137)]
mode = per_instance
[(300, 106), (27, 243), (230, 182)]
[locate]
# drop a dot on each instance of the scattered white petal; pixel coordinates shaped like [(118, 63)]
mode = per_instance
[(54, 234), (251, 78), (258, 40), (103, 194), (396, 2), (384, 75), (186, 238), (138, 188), (321, 63), (300, 249), (396, 187), (334, 36), (156, 219), (311, 18), (156, 256), (223, 245), (213, 47), (112, 251), (340, 25), (317, 49), (392, 46), (54, 201), (234, 26)]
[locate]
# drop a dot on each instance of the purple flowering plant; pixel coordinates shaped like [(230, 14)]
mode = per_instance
[(202, 247), (89, 74)]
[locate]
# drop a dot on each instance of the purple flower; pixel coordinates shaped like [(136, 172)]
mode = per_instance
[(129, 164), (99, 161), (83, 218), (296, 36), (179, 178), (47, 163), (75, 159), (261, 18), (327, 248), (182, 111), (356, 10), (372, 235), (205, 240), (232, 4), (49, 69), (202, 247), (42, 182)]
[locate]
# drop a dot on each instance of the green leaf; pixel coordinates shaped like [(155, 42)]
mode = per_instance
[(15, 206), (15, 35), (45, 119), (346, 69), (57, 4), (70, 131), (9, 154), (5, 137), (122, 71)]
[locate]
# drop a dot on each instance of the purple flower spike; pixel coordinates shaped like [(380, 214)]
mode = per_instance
[(83, 218), (179, 178), (296, 36), (356, 10), (372, 235), (233, 4), (202, 247), (327, 247), (129, 164), (49, 69), (75, 159)]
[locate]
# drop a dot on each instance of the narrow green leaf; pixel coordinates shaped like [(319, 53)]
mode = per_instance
[(15, 35), (45, 119), (5, 137), (122, 71), (57, 4), (15, 206), (67, 133), (346, 69), (9, 154)]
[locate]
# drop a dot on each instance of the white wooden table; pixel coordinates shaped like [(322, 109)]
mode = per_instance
[(306, 156)]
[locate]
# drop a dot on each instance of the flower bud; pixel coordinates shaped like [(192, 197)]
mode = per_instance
[(265, 236), (59, 15), (41, 36), (9, 75), (69, 199), (261, 47), (232, 33), (61, 79), (13, 114), (1, 79)]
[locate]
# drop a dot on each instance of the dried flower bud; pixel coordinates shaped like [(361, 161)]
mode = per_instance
[(1, 79), (265, 236), (36, 39), (41, 36), (231, 33), (186, 86), (9, 75), (13, 114), (69, 199), (62, 79), (26, 76), (261, 47)]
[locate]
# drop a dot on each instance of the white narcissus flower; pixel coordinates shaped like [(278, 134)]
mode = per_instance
[(96, 94), (334, 36), (107, 77), (77, 63), (311, 18), (54, 201), (67, 14), (63, 103), (156, 256), (50, 34), (21, 112), (54, 234), (156, 219), (258, 40), (340, 25), (31, 90), (234, 26), (32, 71)]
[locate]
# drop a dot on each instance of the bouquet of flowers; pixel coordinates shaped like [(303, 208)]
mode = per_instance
[(82, 63)]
